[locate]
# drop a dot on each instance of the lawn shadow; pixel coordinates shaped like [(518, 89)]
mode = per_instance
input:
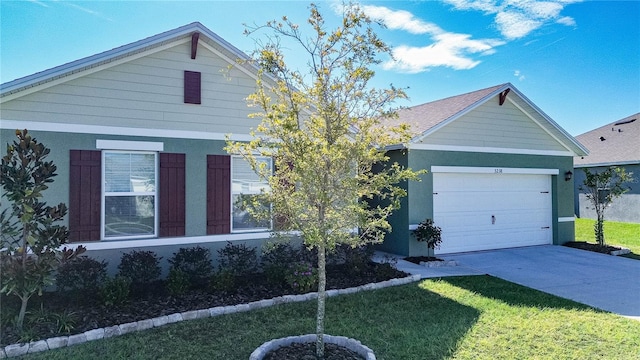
[(512, 293), (402, 322)]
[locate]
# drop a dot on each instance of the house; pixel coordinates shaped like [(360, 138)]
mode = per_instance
[(138, 135), (499, 174), (614, 144)]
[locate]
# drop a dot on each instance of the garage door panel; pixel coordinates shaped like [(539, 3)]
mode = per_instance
[(491, 211)]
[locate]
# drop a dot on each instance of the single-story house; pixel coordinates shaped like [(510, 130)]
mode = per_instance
[(138, 135), (498, 174), (614, 144)]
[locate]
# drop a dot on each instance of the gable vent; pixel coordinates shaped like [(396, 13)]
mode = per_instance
[(192, 87)]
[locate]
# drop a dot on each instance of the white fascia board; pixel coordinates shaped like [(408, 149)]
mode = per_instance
[(126, 244), (553, 123), (566, 219), (119, 130), (493, 170), (614, 163), (482, 149), (129, 145)]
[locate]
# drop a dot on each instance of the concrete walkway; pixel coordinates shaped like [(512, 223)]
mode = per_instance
[(610, 283)]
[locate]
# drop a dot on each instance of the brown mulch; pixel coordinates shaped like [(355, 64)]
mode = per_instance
[(606, 249), (153, 301), (419, 259)]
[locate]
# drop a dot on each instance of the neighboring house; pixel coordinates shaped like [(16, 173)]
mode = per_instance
[(138, 136), (498, 174), (614, 144)]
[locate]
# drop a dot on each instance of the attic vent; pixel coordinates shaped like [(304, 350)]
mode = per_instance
[(192, 87), (625, 122)]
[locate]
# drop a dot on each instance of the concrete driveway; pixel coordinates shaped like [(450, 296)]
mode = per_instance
[(610, 283)]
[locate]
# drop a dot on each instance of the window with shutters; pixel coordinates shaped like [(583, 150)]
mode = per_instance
[(129, 194), (245, 186)]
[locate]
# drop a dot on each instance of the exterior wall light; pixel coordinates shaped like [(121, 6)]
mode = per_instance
[(568, 175)]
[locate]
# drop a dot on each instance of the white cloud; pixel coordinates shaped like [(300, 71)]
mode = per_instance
[(519, 75), (517, 18), (447, 49)]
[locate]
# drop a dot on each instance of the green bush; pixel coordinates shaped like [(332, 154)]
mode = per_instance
[(240, 260), (195, 263), (177, 282), (429, 233), (302, 277), (140, 267), (224, 281), (275, 261), (81, 274), (115, 291)]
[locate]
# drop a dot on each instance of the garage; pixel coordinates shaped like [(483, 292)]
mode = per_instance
[(492, 208)]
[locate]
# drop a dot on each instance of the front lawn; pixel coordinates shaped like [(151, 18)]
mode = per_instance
[(615, 233), (477, 317)]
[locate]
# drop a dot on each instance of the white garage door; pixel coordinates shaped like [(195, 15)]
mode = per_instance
[(492, 211)]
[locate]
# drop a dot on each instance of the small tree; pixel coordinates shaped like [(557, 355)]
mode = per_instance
[(429, 233), (30, 240), (601, 188), (322, 128)]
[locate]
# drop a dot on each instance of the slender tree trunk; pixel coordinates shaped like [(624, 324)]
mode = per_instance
[(322, 285), (23, 310), (600, 229)]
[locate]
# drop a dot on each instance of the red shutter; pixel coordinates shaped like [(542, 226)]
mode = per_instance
[(85, 177), (192, 87), (218, 194), (172, 194)]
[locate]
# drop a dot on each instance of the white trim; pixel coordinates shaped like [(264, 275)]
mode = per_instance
[(493, 170), (129, 145), (566, 219), (613, 163), (126, 244), (493, 150), (119, 130)]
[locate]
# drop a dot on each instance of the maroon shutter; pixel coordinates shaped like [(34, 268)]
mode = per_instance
[(172, 194), (218, 194), (85, 177), (192, 87)]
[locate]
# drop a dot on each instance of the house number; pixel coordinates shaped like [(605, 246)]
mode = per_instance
[(497, 171)]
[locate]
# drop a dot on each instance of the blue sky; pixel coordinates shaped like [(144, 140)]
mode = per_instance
[(579, 61)]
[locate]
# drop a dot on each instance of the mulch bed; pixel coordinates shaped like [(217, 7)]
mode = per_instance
[(606, 249), (307, 351), (153, 301), (419, 259)]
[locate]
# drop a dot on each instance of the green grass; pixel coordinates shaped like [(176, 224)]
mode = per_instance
[(615, 233), (454, 318)]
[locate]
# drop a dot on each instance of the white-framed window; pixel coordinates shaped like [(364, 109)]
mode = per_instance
[(129, 194), (246, 183)]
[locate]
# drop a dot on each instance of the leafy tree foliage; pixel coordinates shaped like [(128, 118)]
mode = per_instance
[(321, 125), (31, 238), (601, 188)]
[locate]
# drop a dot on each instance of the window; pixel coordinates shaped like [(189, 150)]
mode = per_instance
[(245, 184), (129, 206)]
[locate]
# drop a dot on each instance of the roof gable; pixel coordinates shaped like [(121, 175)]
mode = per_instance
[(495, 119), (616, 143), (159, 42)]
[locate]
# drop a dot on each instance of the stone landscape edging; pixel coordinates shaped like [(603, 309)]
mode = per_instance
[(351, 344), (20, 349)]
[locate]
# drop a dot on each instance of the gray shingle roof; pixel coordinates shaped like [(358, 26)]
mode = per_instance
[(620, 144), (425, 116)]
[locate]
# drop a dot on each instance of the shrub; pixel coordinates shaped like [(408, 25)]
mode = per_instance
[(81, 274), (115, 291), (177, 282), (356, 259), (223, 280), (429, 233), (302, 277), (195, 263), (240, 259), (140, 267), (275, 259)]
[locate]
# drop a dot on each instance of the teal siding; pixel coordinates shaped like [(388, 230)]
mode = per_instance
[(420, 199)]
